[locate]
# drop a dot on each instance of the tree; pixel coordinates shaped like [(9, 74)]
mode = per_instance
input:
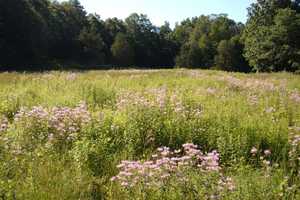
[(207, 46), (67, 21), (224, 59), (181, 33), (271, 36), (165, 30), (114, 26), (41, 32), (92, 46), (145, 40), (190, 55), (122, 51), (199, 39), (168, 47), (95, 50), (229, 56), (222, 28), (285, 36), (22, 28)]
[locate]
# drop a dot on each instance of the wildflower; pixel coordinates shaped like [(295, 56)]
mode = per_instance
[(294, 140), (124, 184), (71, 77), (64, 122), (114, 178), (3, 124), (295, 96), (229, 184), (253, 100), (261, 157), (154, 156), (214, 197), (211, 91), (160, 149), (270, 110), (226, 183), (267, 152), (254, 151), (211, 161), (165, 176), (266, 162), (164, 165), (177, 151)]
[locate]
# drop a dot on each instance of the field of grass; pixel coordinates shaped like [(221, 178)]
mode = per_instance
[(153, 134)]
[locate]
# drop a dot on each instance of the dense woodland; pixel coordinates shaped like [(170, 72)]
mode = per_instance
[(43, 34)]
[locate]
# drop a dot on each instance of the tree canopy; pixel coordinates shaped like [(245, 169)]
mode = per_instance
[(38, 34), (272, 35)]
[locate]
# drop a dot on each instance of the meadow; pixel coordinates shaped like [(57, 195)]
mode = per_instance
[(149, 134)]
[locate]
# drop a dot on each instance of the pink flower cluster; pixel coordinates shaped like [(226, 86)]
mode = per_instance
[(250, 83), (193, 73), (165, 164), (134, 99), (177, 104), (68, 121), (226, 183), (253, 100), (263, 158), (259, 84), (254, 151), (161, 97), (151, 98), (211, 91), (71, 76), (3, 124), (210, 162), (63, 122), (295, 96), (270, 110), (294, 140), (38, 113), (158, 98)]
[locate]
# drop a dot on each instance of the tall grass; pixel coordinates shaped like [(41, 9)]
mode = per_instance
[(63, 134)]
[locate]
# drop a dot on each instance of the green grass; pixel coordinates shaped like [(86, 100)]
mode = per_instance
[(133, 112)]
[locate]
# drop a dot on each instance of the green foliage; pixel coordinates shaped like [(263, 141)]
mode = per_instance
[(22, 32), (64, 149), (122, 51), (90, 38), (190, 55), (271, 41), (205, 43), (145, 40), (229, 56), (67, 21), (47, 33)]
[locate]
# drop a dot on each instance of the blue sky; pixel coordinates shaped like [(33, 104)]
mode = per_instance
[(168, 10)]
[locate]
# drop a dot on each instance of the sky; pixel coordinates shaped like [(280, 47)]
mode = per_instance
[(172, 11)]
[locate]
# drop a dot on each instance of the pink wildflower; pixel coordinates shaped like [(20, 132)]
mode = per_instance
[(267, 152), (254, 151)]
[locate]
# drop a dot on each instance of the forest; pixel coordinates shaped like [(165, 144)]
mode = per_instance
[(49, 35)]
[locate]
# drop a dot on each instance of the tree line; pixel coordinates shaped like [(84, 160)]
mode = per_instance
[(44, 34)]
